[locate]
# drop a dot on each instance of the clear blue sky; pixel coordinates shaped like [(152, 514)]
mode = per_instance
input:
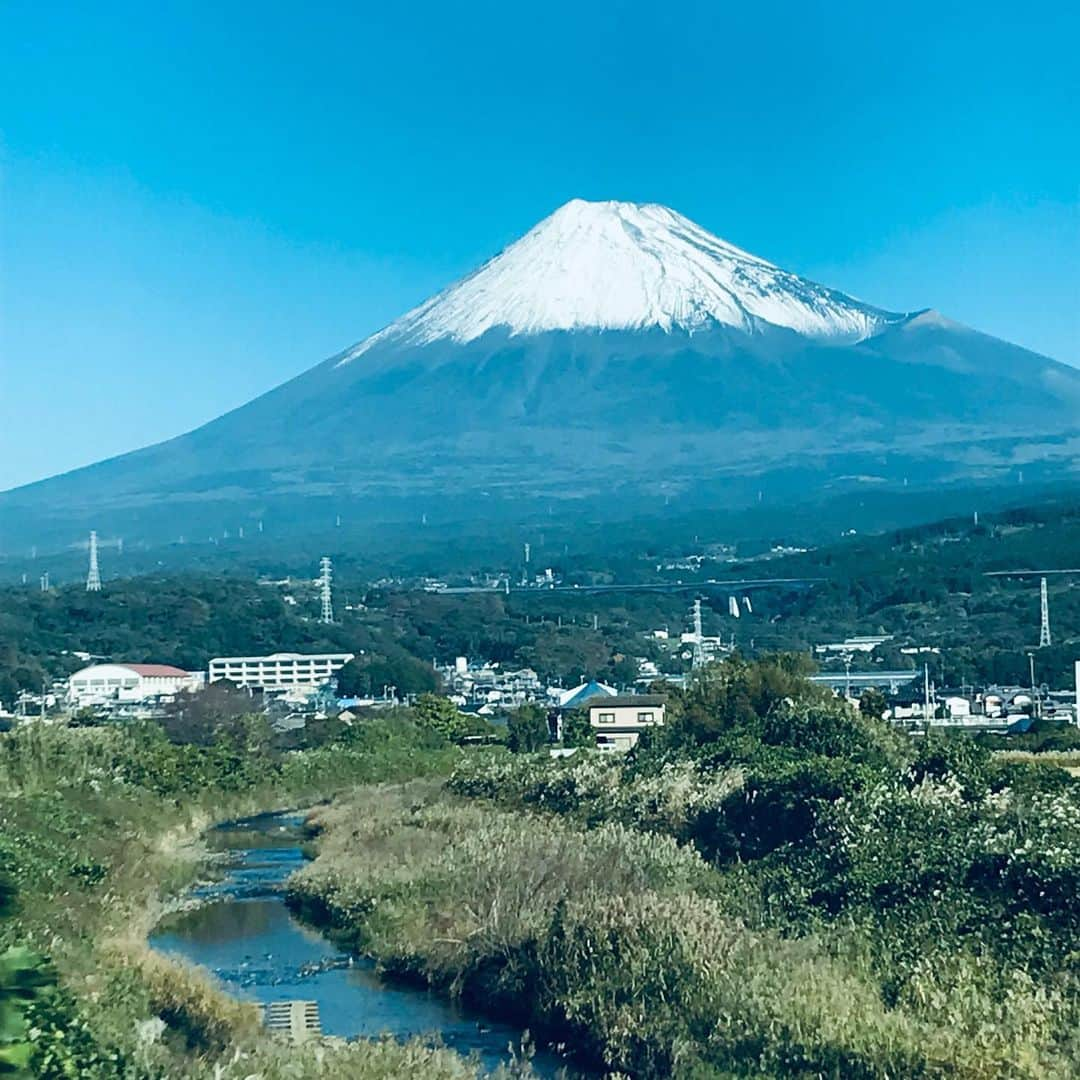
[(200, 200)]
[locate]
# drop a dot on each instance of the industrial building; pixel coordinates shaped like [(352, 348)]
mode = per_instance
[(279, 671)]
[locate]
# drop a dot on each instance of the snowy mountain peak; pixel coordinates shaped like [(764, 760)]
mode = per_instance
[(627, 266)]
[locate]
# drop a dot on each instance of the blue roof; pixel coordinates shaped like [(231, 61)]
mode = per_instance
[(590, 690), (1021, 726)]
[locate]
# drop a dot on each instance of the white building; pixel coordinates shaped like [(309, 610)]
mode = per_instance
[(618, 721), (865, 643), (103, 684), (279, 671)]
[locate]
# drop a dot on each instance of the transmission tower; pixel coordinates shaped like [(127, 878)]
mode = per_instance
[(325, 575), (1044, 624), (698, 659), (93, 578)]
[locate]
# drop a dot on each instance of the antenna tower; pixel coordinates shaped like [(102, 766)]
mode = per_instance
[(325, 575), (93, 578), (1044, 624)]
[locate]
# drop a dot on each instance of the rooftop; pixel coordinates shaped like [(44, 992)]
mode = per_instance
[(156, 671), (627, 701)]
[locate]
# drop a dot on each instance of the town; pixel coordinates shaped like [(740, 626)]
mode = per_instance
[(293, 688)]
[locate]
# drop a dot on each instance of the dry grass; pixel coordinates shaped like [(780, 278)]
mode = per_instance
[(1069, 760), (623, 944)]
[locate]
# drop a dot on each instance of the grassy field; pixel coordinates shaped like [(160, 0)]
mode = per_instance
[(773, 885)]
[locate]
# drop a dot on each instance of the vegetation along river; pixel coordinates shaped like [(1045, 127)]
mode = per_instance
[(244, 933)]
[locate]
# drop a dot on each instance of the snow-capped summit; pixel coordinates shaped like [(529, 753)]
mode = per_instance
[(627, 266)]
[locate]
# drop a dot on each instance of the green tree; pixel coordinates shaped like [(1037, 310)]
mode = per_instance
[(527, 729), (873, 703), (738, 694), (623, 669), (366, 675), (219, 711), (576, 729), (441, 715), (23, 976)]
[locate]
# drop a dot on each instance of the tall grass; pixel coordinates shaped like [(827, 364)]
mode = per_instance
[(633, 950), (96, 827)]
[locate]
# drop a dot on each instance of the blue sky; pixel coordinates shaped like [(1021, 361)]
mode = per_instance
[(200, 200)]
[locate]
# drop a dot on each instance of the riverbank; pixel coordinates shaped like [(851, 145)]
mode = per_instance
[(508, 910), (637, 954), (97, 830)]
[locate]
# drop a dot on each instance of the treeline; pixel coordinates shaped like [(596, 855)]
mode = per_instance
[(396, 634), (928, 586)]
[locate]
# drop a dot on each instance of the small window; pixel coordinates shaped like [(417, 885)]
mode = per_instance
[(644, 717), (606, 718)]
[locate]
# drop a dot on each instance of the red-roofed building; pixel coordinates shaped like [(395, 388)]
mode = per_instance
[(157, 671), (129, 684)]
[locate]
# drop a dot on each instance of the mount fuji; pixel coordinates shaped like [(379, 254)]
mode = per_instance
[(617, 350)]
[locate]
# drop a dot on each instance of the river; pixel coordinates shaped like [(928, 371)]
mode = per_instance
[(243, 932)]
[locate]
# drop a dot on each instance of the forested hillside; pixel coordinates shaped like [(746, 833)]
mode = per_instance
[(927, 586)]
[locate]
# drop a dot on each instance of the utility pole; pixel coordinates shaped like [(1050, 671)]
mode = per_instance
[(698, 659), (1036, 705), (926, 693)]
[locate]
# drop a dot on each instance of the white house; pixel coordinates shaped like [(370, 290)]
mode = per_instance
[(618, 721), (102, 684)]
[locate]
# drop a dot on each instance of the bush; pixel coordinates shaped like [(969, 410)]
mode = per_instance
[(527, 729)]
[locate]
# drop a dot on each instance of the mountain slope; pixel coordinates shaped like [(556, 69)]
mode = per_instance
[(614, 348)]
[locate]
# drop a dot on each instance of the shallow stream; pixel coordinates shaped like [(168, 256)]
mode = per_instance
[(244, 933)]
